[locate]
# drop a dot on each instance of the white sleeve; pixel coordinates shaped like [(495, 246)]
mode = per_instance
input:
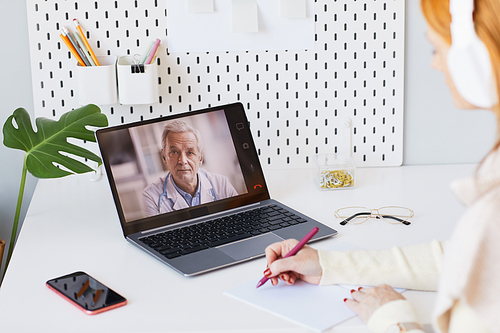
[(411, 267), (392, 313), (462, 320)]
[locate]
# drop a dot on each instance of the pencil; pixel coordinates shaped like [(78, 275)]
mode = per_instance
[(84, 39), (153, 52), (147, 53), (96, 297), (76, 46), (72, 49), (84, 49), (83, 288), (154, 57)]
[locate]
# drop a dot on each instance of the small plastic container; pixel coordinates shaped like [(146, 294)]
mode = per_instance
[(97, 84), (335, 171), (135, 87)]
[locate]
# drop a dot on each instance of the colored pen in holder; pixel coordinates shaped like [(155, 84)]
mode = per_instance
[(137, 83)]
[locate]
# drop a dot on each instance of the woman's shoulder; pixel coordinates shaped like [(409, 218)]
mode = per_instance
[(487, 207)]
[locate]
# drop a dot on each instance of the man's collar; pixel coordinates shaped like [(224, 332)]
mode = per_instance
[(184, 193)]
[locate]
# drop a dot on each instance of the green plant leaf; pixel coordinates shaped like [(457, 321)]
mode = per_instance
[(44, 148)]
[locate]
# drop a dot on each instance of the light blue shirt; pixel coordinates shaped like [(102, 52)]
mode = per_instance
[(190, 200)]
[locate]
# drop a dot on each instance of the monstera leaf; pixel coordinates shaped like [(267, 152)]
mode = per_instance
[(48, 147), (45, 148)]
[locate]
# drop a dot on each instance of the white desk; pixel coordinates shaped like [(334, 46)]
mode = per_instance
[(72, 225)]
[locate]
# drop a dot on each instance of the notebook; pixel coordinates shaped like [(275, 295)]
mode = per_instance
[(189, 190), (321, 307)]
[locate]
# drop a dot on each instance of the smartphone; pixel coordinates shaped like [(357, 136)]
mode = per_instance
[(86, 293)]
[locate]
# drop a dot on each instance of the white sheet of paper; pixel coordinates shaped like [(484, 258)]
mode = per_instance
[(192, 32), (294, 9), (245, 16), (317, 308), (200, 6)]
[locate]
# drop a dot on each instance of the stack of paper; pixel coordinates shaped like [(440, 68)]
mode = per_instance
[(316, 307)]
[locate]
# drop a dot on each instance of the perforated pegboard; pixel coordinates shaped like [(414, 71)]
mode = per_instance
[(298, 102)]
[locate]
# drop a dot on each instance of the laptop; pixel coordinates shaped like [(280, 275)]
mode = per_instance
[(190, 191)]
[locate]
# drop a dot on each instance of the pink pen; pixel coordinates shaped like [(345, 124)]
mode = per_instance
[(153, 52), (294, 251)]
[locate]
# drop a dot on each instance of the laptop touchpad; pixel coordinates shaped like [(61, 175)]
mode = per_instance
[(250, 247)]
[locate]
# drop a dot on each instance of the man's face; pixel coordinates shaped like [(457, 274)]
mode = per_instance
[(182, 157)]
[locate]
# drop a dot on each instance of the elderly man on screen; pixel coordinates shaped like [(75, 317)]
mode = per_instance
[(185, 184)]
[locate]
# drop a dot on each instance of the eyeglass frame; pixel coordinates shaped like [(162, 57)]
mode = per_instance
[(372, 214)]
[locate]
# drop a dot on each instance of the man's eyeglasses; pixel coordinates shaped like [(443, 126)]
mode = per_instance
[(389, 214)]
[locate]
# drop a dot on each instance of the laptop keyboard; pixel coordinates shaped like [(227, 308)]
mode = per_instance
[(220, 231)]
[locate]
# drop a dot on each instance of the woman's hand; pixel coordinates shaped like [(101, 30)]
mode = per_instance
[(365, 301), (304, 265)]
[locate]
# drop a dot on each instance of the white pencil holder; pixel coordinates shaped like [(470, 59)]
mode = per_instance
[(137, 84), (97, 84)]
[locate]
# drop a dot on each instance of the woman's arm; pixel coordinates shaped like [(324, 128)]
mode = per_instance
[(393, 313), (411, 267)]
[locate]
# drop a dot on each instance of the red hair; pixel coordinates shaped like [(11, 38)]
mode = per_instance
[(487, 24)]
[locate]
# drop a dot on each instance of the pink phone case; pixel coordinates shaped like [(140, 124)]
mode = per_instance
[(89, 312)]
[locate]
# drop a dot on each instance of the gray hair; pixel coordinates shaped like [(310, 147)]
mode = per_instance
[(179, 126)]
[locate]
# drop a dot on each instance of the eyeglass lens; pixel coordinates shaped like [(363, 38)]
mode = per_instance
[(390, 214)]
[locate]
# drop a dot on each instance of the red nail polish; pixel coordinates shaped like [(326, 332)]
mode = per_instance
[(359, 289), (267, 272), (345, 299), (352, 290)]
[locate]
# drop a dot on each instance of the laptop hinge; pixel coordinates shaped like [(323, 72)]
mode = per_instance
[(192, 221)]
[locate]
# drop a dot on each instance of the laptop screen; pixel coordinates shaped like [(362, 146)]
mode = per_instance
[(175, 168)]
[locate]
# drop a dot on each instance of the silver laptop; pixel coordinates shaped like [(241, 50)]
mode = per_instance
[(190, 191)]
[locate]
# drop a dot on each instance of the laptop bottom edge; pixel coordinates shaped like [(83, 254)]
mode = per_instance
[(233, 253)]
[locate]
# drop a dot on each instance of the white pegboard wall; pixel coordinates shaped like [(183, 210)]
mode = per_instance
[(296, 100)]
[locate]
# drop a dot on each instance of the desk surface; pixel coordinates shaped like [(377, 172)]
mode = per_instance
[(72, 225)]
